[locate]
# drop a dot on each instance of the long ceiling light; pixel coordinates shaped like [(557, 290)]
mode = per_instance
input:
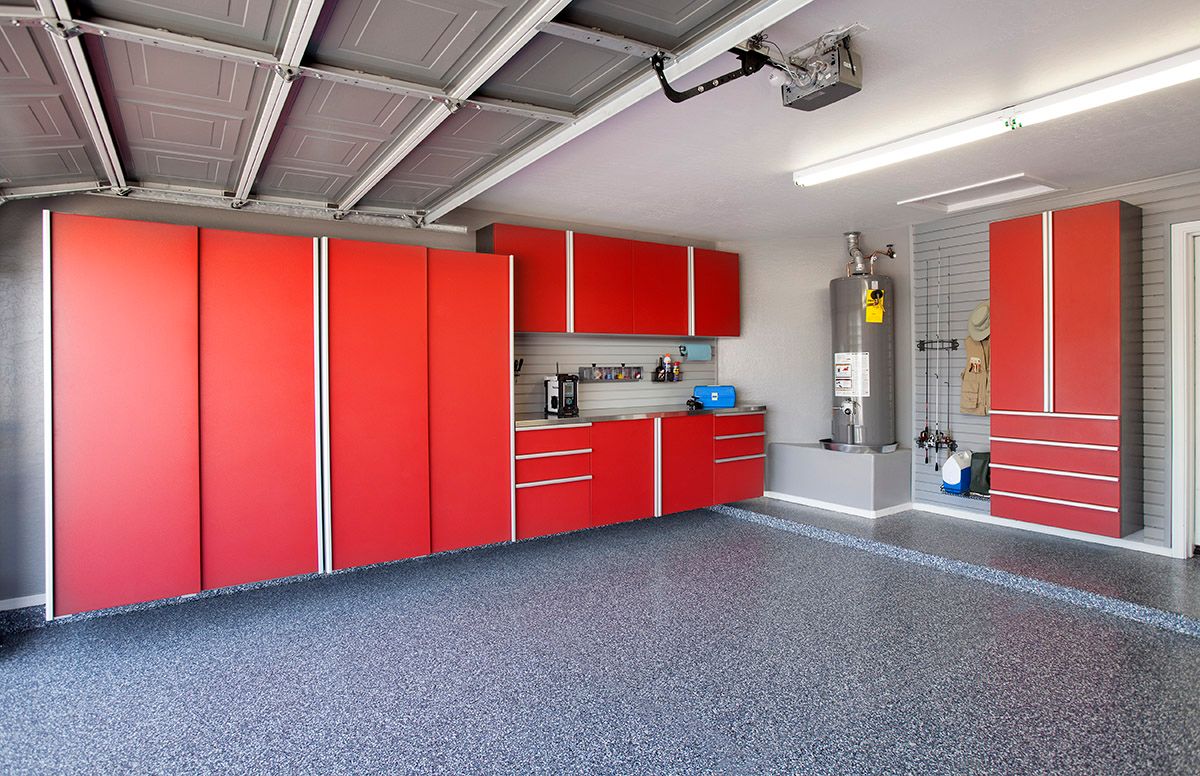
[(1171, 71)]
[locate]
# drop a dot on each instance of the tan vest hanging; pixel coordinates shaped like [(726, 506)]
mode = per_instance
[(976, 396)]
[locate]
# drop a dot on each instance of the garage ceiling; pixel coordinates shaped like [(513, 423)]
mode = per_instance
[(380, 106)]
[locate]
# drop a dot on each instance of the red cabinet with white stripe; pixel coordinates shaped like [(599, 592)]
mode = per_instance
[(539, 273), (1066, 361), (622, 470), (566, 281), (470, 399), (739, 457), (378, 403), (687, 462), (553, 480), (660, 289), (258, 457), (602, 282)]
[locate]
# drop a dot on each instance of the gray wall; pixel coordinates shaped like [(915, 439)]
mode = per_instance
[(964, 245), (21, 476), (784, 356)]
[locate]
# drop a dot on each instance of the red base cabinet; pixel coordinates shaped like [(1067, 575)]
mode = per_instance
[(258, 460), (739, 457), (378, 403), (126, 426), (622, 471), (687, 463), (1066, 369), (553, 479)]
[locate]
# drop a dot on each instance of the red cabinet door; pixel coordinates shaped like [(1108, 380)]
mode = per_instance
[(687, 463), (1017, 314), (622, 470), (126, 412), (1087, 309), (470, 399), (539, 273), (258, 515), (717, 293), (549, 509), (378, 402), (660, 289), (738, 480), (603, 284)]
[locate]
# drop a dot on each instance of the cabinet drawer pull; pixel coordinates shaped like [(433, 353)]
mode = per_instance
[(540, 483), (740, 458)]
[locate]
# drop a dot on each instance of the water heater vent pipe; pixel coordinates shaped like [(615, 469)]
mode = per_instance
[(859, 263)]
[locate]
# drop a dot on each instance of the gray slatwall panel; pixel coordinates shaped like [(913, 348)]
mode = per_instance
[(964, 239), (963, 256), (572, 351)]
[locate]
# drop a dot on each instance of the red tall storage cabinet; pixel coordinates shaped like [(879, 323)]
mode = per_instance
[(378, 402), (470, 399), (125, 497), (1066, 368), (258, 458)]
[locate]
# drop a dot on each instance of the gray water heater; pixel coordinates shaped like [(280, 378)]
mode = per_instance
[(863, 310)]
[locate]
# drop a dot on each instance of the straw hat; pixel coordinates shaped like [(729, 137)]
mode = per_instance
[(979, 326)]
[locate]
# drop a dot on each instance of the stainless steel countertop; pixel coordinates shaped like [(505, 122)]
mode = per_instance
[(630, 413)]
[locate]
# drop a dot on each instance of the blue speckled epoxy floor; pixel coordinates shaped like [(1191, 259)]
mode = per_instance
[(694, 643)]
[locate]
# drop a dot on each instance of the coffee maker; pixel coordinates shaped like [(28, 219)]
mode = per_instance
[(562, 392)]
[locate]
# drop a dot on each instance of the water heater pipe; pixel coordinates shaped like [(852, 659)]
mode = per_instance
[(859, 263)]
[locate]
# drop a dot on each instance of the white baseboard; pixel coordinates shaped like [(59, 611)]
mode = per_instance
[(980, 517), (829, 506), (22, 602)]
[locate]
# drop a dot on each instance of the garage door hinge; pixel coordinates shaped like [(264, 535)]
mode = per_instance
[(288, 74), (63, 30)]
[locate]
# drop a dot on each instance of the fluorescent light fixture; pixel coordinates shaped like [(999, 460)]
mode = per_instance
[(1173, 70)]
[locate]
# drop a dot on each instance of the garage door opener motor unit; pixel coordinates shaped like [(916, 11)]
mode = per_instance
[(815, 75)]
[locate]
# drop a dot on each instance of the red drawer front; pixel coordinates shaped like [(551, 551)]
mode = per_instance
[(553, 440), (731, 448), (1086, 491), (737, 424), (551, 509), (1057, 429), (1063, 459), (738, 480), (554, 467), (1058, 515)]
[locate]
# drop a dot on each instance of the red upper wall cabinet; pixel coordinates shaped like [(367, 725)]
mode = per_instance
[(603, 285), (378, 402), (660, 288), (539, 273), (717, 293), (126, 420), (258, 460), (1087, 309), (1017, 314)]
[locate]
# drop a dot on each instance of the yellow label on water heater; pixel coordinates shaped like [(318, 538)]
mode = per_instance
[(873, 305)]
